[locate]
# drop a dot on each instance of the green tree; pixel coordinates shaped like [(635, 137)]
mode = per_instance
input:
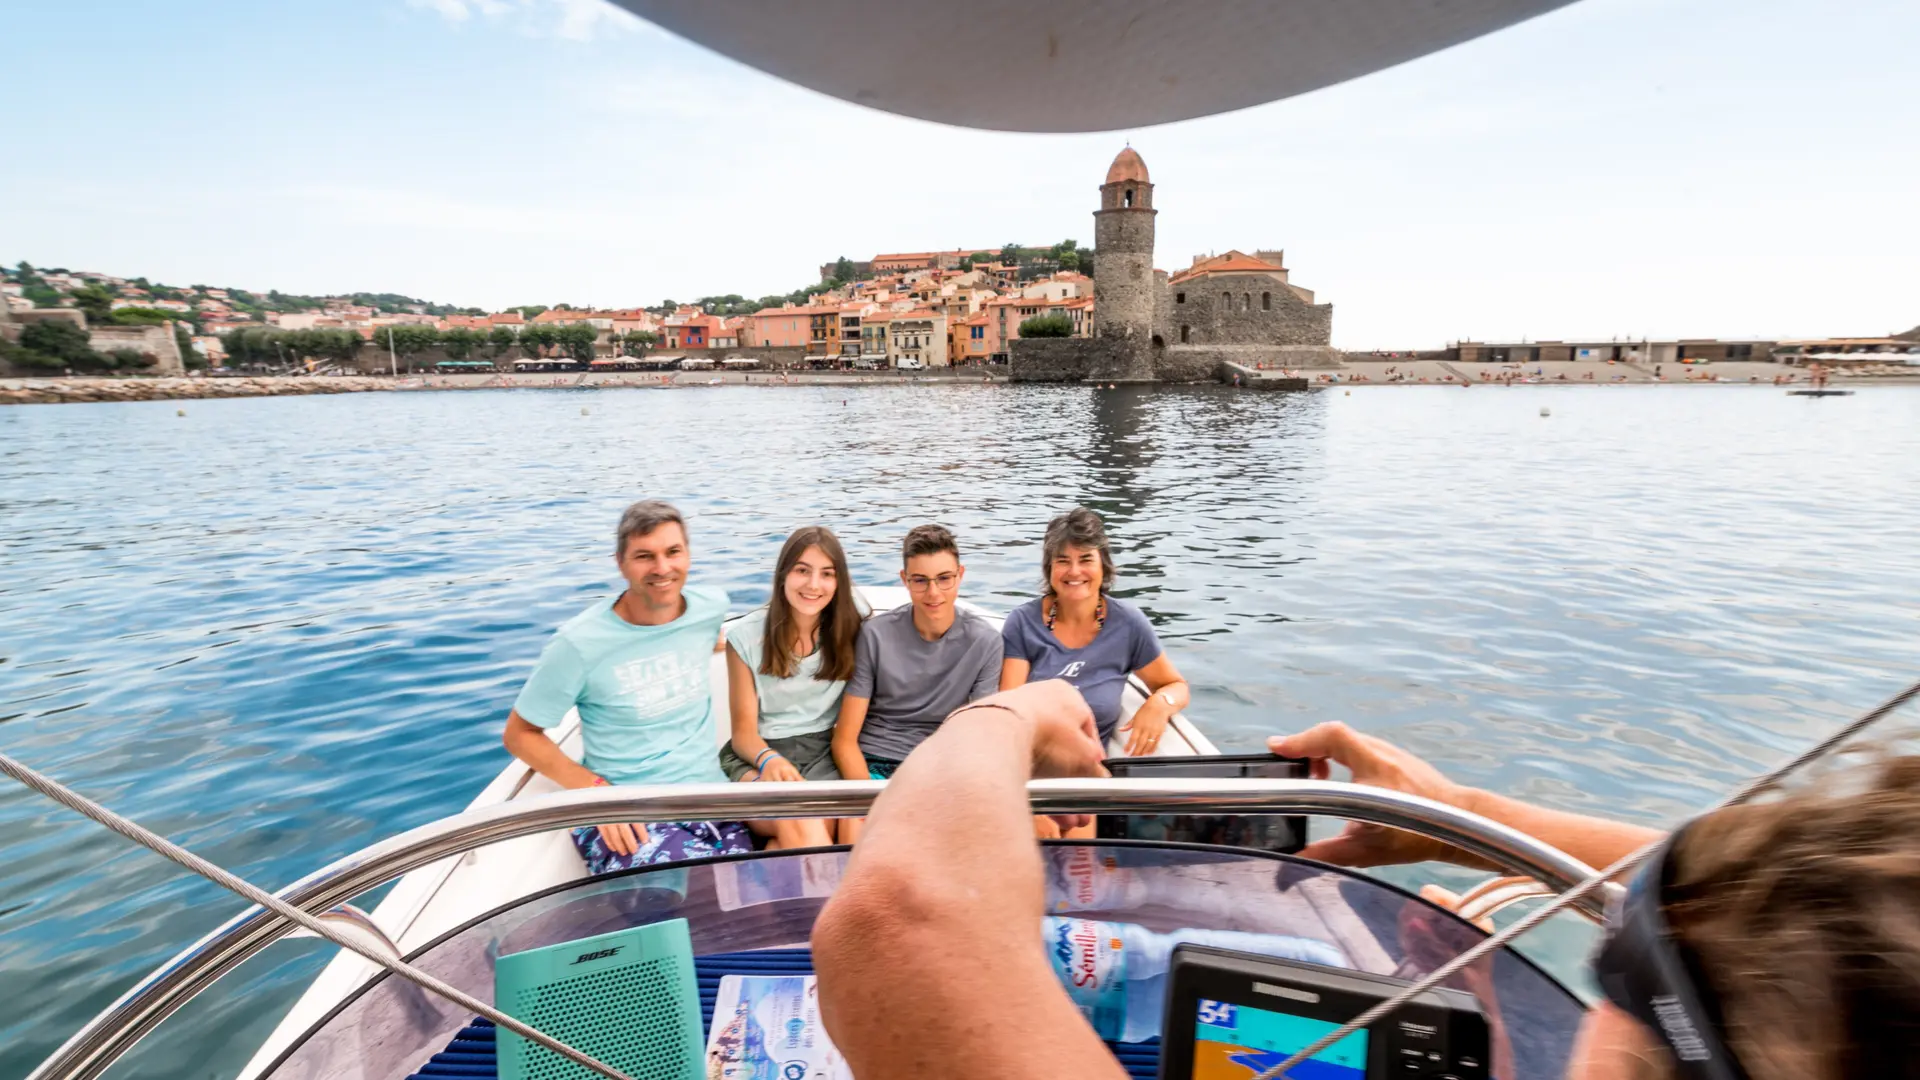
[(843, 268), (966, 263), (1069, 260), (128, 359), (183, 340), (62, 343), (501, 338), (537, 339), (529, 311), (577, 339), (405, 340), (459, 342), (1010, 254), (95, 301), (141, 316), (42, 295), (637, 342), (347, 345), (1047, 326)]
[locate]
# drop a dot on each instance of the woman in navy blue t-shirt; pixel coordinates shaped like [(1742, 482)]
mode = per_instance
[(1079, 633)]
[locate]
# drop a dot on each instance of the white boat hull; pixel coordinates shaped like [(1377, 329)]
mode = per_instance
[(435, 899)]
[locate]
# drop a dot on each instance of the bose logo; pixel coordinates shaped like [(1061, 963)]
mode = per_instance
[(1679, 1027), (601, 955)]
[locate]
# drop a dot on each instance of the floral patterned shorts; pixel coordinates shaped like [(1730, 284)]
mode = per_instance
[(667, 841)]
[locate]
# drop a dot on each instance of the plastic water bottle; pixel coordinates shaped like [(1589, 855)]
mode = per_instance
[(1116, 973)]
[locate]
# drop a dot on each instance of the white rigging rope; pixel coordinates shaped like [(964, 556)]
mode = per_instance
[(154, 842), (1534, 918)]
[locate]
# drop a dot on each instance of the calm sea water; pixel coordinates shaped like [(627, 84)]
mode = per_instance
[(278, 630)]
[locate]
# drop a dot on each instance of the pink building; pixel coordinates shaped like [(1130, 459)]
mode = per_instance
[(777, 327)]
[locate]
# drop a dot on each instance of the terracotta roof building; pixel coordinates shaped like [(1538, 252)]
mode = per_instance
[(1232, 308)]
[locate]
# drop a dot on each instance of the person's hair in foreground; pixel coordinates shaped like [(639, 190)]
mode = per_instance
[(1802, 917), (839, 622)]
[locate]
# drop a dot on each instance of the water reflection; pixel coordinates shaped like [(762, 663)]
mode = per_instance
[(281, 629)]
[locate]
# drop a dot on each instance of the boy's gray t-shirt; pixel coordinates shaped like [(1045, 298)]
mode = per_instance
[(911, 683)]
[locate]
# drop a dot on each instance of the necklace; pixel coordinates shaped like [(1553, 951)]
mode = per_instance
[(1052, 608)]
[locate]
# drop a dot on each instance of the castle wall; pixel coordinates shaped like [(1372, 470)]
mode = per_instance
[(1200, 363), (1055, 360), (155, 341), (1227, 309)]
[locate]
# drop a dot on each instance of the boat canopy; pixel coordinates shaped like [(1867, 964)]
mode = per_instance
[(1078, 65)]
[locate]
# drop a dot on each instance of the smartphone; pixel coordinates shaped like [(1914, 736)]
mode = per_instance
[(1281, 833)]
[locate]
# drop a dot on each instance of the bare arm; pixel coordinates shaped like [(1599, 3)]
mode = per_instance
[(1013, 672), (1149, 722), (743, 715), (1594, 841), (962, 894), (846, 738), (532, 745)]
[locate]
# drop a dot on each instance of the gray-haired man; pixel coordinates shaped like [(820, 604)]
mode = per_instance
[(637, 668)]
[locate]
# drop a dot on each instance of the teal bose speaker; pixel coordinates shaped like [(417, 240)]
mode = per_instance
[(629, 998)]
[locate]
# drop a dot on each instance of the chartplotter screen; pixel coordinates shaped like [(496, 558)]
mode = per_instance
[(1234, 1042)]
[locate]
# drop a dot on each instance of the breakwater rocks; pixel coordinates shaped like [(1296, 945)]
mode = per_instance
[(56, 391)]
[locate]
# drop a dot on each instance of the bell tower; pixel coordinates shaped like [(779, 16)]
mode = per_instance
[(1123, 257)]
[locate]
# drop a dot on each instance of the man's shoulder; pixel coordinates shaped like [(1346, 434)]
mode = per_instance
[(591, 618), (976, 627), (888, 622), (705, 601)]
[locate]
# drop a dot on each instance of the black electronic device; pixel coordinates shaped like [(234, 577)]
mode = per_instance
[(1232, 1015), (1282, 833)]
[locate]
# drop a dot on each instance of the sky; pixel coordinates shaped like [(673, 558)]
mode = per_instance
[(1630, 168)]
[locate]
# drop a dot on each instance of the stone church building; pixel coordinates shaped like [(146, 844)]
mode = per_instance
[(1151, 327)]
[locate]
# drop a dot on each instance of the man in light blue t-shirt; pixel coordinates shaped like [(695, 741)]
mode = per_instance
[(637, 669)]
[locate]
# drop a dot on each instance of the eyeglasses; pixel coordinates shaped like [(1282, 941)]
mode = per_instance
[(920, 583)]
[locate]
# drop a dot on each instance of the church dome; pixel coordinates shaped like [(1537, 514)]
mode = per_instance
[(1127, 166)]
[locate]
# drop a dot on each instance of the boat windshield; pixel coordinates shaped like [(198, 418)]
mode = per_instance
[(766, 904)]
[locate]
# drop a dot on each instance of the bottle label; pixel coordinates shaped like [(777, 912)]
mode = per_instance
[(1090, 959)]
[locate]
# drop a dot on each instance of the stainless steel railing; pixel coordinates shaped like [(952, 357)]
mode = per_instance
[(96, 1046)]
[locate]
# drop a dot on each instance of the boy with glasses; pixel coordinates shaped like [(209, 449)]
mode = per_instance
[(915, 664)]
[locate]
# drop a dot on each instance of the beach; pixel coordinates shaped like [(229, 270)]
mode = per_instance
[(1356, 373)]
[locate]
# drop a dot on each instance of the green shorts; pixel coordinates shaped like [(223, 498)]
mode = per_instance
[(811, 753)]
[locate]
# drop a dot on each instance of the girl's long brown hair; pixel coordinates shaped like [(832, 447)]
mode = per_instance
[(839, 621)]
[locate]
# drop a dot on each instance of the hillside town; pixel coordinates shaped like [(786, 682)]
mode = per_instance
[(1233, 317), (900, 311)]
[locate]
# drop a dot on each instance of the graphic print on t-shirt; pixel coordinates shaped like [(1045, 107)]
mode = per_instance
[(1070, 671), (656, 685)]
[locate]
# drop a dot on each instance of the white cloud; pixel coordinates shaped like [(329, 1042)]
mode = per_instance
[(572, 20), (585, 20), (459, 11)]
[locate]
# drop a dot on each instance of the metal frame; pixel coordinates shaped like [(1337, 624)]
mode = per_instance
[(97, 1045)]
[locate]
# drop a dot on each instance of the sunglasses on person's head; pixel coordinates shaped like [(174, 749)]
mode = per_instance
[(1647, 972)]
